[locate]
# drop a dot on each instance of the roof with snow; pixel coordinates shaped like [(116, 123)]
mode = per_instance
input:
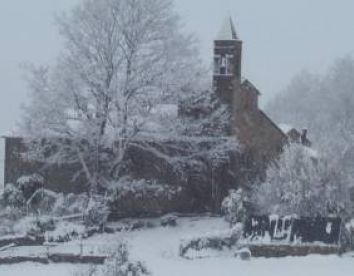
[(227, 31), (286, 128), (249, 85)]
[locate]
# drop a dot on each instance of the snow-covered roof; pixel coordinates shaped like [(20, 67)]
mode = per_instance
[(249, 85), (227, 31), (285, 128)]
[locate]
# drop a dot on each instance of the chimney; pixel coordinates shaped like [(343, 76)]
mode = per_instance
[(304, 139)]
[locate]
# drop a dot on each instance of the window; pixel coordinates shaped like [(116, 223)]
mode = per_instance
[(223, 65), (217, 62), (229, 64)]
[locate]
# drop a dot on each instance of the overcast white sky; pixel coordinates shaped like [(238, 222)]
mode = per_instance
[(281, 37)]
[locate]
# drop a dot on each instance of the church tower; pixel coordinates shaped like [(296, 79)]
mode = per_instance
[(227, 62), (261, 138)]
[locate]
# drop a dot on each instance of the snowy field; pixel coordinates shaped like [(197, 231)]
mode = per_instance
[(158, 248)]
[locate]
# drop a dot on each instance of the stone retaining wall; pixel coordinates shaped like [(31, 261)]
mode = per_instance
[(276, 251), (22, 241), (55, 258)]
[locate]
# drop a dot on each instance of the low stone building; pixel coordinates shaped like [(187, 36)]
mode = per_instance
[(295, 136)]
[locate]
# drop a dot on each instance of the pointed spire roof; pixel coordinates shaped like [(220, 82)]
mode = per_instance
[(228, 30)]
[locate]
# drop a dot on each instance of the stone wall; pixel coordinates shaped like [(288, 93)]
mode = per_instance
[(262, 140), (277, 251), (57, 178)]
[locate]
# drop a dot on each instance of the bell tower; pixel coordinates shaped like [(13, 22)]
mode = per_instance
[(227, 62)]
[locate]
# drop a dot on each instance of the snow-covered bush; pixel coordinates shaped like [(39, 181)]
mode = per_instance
[(70, 204), (11, 213), (8, 217), (45, 223), (132, 198), (301, 183), (350, 230), (205, 109), (215, 241), (34, 226), (29, 184), (42, 201), (96, 213), (142, 188), (66, 231), (5, 229), (345, 239), (53, 231), (117, 264), (233, 207), (12, 196)]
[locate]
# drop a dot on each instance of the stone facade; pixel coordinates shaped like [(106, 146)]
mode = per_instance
[(261, 138), (57, 178)]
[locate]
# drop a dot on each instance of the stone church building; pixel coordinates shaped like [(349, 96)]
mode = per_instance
[(260, 138)]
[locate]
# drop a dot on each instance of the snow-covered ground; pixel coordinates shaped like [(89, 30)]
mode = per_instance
[(158, 248)]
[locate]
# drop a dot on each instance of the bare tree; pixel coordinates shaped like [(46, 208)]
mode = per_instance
[(325, 105), (123, 61), (304, 184)]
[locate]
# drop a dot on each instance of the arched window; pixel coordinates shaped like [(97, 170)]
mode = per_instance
[(217, 62), (223, 65)]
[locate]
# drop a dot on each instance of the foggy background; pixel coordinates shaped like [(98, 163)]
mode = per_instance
[(281, 37)]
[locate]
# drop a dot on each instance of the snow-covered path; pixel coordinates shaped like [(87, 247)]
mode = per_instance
[(158, 248)]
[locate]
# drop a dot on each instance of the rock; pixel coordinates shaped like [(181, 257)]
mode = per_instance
[(169, 220), (109, 230), (92, 231), (136, 225), (150, 224), (244, 254)]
